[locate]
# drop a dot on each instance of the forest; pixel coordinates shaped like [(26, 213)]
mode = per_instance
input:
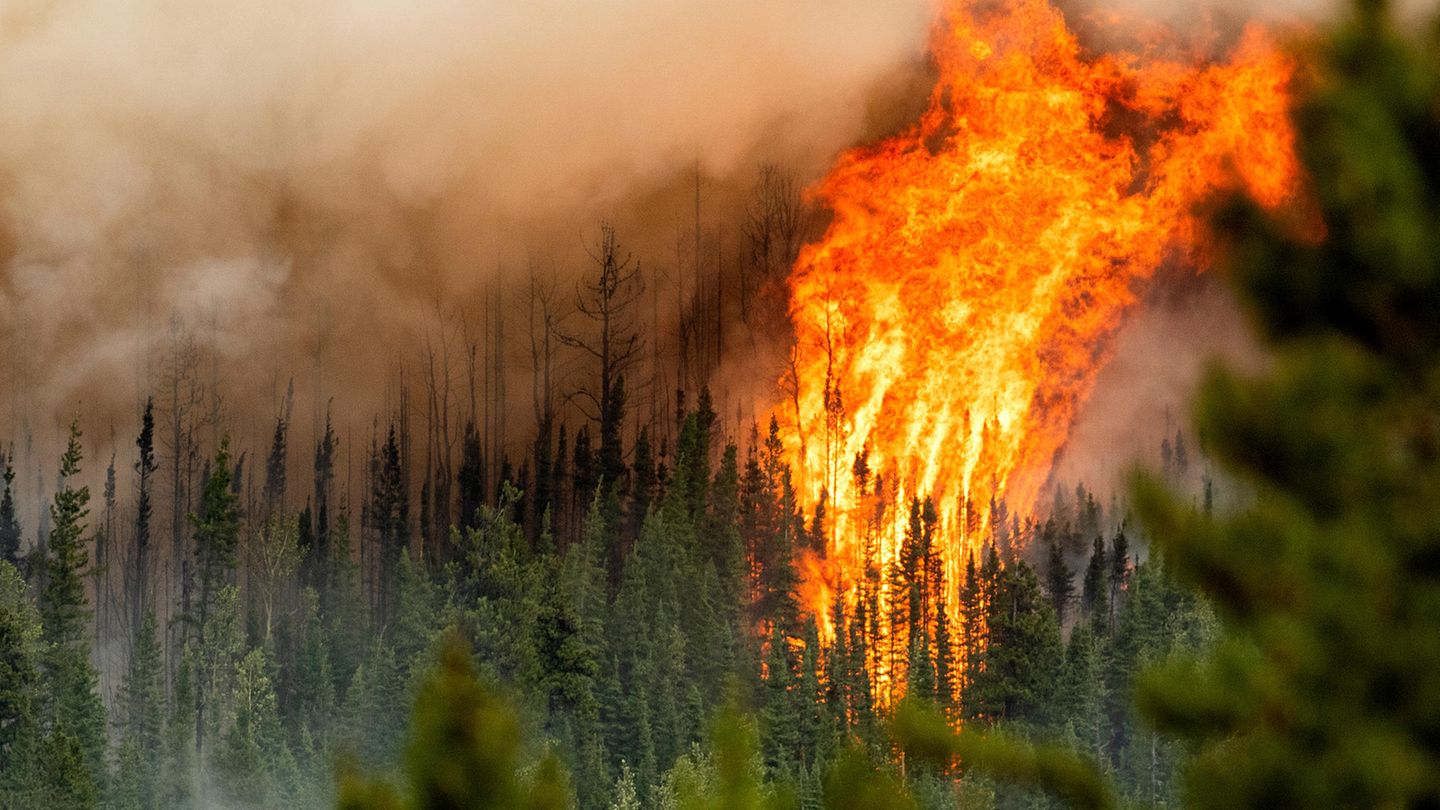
[(619, 624), (615, 604)]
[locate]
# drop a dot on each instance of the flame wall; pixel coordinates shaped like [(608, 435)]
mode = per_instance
[(955, 313)]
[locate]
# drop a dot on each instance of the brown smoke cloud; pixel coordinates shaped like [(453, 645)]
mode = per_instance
[(289, 176)]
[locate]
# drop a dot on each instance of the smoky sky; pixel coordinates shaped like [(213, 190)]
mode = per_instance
[(310, 188), (289, 178)]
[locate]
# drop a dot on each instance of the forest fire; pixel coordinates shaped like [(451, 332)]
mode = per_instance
[(955, 314)]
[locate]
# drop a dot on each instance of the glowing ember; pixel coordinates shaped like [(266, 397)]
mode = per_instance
[(955, 314)]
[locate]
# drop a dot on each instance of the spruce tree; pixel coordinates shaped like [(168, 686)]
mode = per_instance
[(178, 775), (389, 516), (9, 521), (1094, 592), (142, 705), (1058, 582), (74, 707), (20, 654), (1326, 582), (138, 576), (217, 536)]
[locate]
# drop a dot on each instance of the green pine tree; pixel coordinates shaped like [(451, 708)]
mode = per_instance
[(1319, 694), (73, 706)]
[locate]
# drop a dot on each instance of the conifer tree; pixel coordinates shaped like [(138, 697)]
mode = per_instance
[(217, 536), (142, 703), (20, 653), (945, 670), (323, 556), (1094, 593), (1326, 582), (9, 521), (471, 476), (178, 772), (464, 751), (138, 575), (389, 515), (1058, 581), (73, 705)]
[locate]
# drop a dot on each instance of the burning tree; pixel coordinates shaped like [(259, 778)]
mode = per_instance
[(956, 311)]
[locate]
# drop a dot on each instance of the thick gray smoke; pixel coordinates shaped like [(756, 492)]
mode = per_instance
[(298, 179), (1143, 395)]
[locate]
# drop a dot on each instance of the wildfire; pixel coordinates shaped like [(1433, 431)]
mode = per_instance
[(954, 315)]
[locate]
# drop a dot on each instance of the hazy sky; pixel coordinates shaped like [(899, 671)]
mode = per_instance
[(270, 166)]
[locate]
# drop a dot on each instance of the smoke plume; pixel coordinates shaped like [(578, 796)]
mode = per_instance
[(303, 185)]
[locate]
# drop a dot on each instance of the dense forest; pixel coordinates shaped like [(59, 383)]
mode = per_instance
[(618, 616)]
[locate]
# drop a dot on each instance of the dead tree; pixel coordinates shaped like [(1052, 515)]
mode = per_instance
[(440, 440), (608, 299), (544, 323), (776, 222), (183, 397)]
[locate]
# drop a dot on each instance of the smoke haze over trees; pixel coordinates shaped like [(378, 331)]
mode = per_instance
[(389, 425)]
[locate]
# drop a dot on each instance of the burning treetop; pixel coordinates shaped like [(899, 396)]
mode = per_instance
[(956, 312)]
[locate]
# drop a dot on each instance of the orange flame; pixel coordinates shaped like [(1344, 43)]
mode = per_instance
[(955, 313)]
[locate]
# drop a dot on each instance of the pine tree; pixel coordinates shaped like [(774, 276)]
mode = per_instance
[(275, 468), (464, 751), (74, 707), (1058, 582), (138, 581), (20, 652), (389, 515), (245, 761), (1326, 581), (310, 679), (9, 522), (142, 703), (946, 676), (178, 775), (780, 721), (1119, 572), (323, 555), (217, 536), (1094, 593), (471, 476), (1023, 653)]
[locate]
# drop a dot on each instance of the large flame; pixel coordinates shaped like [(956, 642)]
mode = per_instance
[(954, 315)]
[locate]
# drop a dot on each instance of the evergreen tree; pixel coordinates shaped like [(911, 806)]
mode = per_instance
[(217, 536), (471, 477), (1119, 572), (245, 763), (275, 468), (9, 522), (1059, 583), (324, 557), (73, 706), (145, 467), (389, 514), (1094, 593), (946, 676), (1023, 654), (308, 679), (1326, 582), (20, 652), (464, 751), (142, 703), (780, 719), (178, 775)]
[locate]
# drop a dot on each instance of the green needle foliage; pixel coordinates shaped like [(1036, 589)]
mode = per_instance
[(464, 751), (1325, 691)]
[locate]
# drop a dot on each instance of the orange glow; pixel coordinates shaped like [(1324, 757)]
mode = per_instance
[(954, 315)]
